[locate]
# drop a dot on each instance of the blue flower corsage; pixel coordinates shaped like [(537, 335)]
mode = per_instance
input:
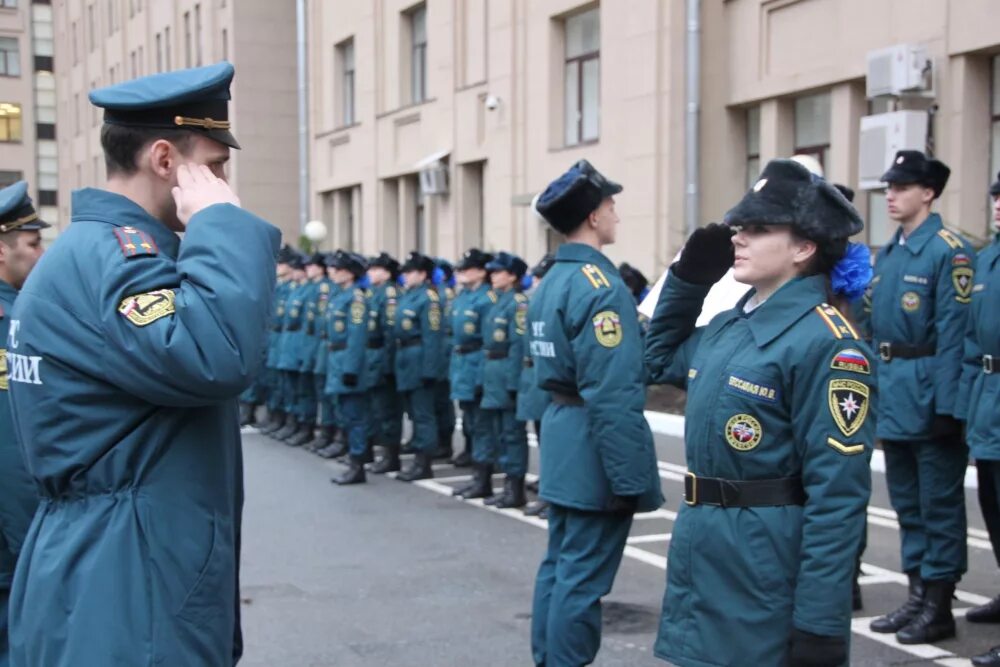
[(851, 276)]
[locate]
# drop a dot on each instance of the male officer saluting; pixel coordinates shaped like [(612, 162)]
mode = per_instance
[(127, 350), (919, 302), (20, 248), (418, 359), (597, 466)]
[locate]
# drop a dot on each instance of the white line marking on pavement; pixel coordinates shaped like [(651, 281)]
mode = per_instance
[(645, 539), (656, 514)]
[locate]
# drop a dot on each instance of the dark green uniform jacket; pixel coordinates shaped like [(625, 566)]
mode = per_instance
[(584, 340), (418, 335), (468, 318), (503, 333), (784, 392)]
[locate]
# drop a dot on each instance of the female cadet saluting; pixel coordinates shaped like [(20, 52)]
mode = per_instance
[(777, 433)]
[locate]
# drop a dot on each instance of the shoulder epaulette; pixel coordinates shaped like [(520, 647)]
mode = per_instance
[(837, 323), (520, 298), (324, 288), (449, 292), (359, 294), (369, 293), (595, 276), (951, 239), (492, 295), (390, 291), (433, 295), (135, 243)]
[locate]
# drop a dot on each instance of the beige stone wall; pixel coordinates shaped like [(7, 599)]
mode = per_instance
[(257, 37)]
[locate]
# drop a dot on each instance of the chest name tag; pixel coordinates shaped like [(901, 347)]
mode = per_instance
[(917, 280), (144, 309), (762, 392), (979, 288)]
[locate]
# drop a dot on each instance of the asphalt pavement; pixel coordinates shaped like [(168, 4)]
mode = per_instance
[(390, 573)]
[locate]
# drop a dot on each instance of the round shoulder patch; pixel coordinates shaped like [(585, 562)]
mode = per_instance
[(743, 432)]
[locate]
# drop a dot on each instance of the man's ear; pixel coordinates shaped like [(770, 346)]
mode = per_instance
[(162, 158)]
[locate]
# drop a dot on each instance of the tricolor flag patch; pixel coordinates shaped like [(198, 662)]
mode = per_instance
[(852, 361)]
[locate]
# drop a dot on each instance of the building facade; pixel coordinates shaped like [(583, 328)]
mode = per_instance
[(103, 42), (28, 148), (491, 99)]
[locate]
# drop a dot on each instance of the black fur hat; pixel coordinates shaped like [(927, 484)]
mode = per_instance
[(915, 167), (568, 200)]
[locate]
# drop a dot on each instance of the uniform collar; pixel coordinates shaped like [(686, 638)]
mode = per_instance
[(782, 309), (916, 241), (580, 252), (7, 290), (120, 211)]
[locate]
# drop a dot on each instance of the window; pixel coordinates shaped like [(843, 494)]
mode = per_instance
[(8, 4), (10, 177), (582, 77), (187, 39), (10, 57), (10, 122), (345, 53), (812, 126), (197, 34), (166, 49), (75, 39), (159, 52), (753, 145), (225, 44), (418, 54), (880, 227)]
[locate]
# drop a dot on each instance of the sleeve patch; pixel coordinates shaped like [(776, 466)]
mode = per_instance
[(852, 361), (848, 405), (962, 280), (608, 328), (521, 317), (837, 323), (144, 309), (135, 243), (434, 316), (846, 450)]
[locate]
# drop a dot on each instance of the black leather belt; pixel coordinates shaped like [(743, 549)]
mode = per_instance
[(990, 364), (336, 346), (294, 327), (468, 348), (496, 354), (529, 362), (376, 344), (567, 399), (888, 351), (410, 342), (743, 493)]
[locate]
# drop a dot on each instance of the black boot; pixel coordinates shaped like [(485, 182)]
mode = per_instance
[(407, 447), (985, 613), (856, 602), (443, 451), (536, 508), (355, 473), (989, 659), (301, 436), (324, 436), (288, 430), (333, 450), (482, 483), (513, 493), (389, 461), (419, 469), (532, 486), (935, 621), (462, 460), (248, 414), (275, 420), (894, 621)]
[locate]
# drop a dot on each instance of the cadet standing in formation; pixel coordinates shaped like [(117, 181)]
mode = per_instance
[(271, 381), (444, 407), (777, 433), (917, 313), (286, 359), (20, 249), (977, 404), (387, 405), (314, 362), (598, 466), (127, 350)]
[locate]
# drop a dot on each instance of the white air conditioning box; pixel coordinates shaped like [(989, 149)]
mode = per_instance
[(434, 180), (899, 70), (881, 136)]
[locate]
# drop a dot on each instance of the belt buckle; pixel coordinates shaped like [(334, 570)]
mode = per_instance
[(885, 351), (988, 364), (693, 487)]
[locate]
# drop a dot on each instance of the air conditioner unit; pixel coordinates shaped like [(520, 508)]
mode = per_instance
[(434, 179), (881, 136), (904, 69)]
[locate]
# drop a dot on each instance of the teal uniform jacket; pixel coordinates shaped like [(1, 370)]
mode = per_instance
[(308, 340), (292, 327), (281, 291), (584, 339), (20, 497), (919, 296), (418, 334), (126, 352), (503, 340), (447, 296), (979, 391), (468, 316), (531, 399), (324, 289), (784, 392), (347, 341), (382, 304)]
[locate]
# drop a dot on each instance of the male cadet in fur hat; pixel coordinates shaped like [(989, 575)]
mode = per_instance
[(598, 466), (418, 359), (20, 248), (128, 348), (977, 405), (324, 289), (919, 304), (387, 405), (444, 407), (289, 324), (467, 315)]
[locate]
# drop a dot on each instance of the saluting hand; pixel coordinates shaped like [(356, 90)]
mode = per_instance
[(198, 188), (707, 255)]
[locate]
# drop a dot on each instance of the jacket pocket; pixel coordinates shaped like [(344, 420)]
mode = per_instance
[(212, 593)]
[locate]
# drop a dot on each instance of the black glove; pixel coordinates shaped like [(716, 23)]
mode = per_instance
[(623, 504), (809, 650), (477, 396), (946, 426), (706, 256), (429, 382), (513, 396), (350, 380)]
